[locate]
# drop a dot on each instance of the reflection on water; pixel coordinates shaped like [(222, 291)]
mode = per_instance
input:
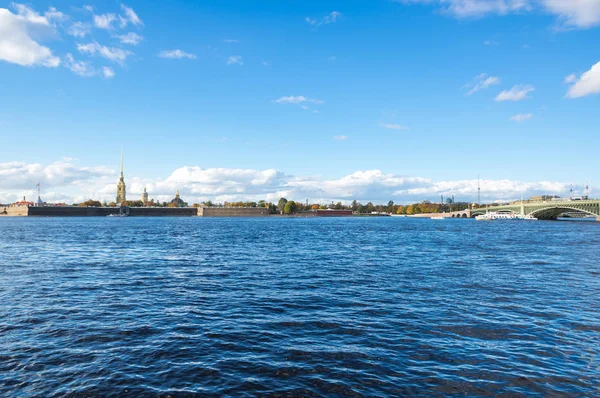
[(298, 307)]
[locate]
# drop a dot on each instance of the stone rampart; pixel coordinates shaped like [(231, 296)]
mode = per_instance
[(72, 211), (233, 212), (14, 211), (163, 211)]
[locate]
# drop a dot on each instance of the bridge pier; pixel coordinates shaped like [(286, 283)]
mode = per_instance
[(598, 219)]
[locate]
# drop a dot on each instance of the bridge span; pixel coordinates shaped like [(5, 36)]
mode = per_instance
[(548, 210)]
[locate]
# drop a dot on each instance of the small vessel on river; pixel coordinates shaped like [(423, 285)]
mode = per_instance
[(506, 216)]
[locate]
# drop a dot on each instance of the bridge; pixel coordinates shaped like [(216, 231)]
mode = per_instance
[(548, 210)]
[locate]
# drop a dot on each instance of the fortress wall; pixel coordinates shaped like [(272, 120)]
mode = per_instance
[(163, 211), (233, 212), (72, 211), (14, 211), (75, 211)]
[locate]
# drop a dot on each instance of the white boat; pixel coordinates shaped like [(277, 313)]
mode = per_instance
[(437, 218), (117, 215), (495, 215), (528, 217)]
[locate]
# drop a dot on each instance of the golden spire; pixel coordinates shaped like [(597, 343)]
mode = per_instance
[(121, 162)]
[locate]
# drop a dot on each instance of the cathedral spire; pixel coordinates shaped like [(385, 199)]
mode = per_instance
[(121, 188)]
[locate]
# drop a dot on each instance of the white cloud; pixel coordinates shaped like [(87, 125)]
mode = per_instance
[(476, 8), (108, 72), (104, 21), (111, 53), (575, 13), (176, 54), (71, 183), (570, 79), (517, 93), (230, 41), (131, 16), (340, 137), (16, 44), (521, 117), (265, 63), (29, 15), (292, 99), (491, 43), (481, 82), (80, 68), (571, 13), (235, 60), (392, 126), (79, 29), (587, 84), (330, 18), (130, 38)]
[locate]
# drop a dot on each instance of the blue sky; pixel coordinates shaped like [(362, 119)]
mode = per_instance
[(325, 100)]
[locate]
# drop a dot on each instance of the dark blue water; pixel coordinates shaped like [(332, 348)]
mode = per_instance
[(298, 307)]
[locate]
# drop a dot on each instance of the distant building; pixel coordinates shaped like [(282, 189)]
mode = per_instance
[(543, 198), (145, 196), (121, 189), (334, 213), (177, 202)]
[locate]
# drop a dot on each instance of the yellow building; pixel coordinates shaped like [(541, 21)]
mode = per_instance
[(121, 189)]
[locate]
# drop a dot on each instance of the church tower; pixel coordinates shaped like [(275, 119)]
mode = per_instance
[(121, 196)]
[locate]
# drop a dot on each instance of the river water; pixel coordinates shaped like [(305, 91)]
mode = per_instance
[(298, 307)]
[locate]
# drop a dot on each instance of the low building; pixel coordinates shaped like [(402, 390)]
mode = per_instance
[(334, 213), (233, 212)]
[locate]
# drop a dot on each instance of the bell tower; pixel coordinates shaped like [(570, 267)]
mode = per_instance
[(121, 189)]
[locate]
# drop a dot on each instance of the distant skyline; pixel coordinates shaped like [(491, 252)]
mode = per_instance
[(400, 100)]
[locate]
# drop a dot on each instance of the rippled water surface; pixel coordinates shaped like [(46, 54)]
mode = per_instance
[(298, 307)]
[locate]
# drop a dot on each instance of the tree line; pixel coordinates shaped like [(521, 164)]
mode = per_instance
[(285, 206)]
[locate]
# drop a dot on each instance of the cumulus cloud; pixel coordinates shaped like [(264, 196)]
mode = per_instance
[(16, 42), (108, 21), (575, 13), (517, 93), (293, 99), (80, 68), (108, 72), (571, 13), (570, 79), (235, 60), (481, 82), (340, 137), (104, 21), (65, 179), (393, 126), (79, 29), (327, 19), (111, 53), (587, 84), (176, 54), (130, 38), (521, 117), (130, 16)]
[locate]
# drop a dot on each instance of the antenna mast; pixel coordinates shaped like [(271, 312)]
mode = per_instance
[(478, 191)]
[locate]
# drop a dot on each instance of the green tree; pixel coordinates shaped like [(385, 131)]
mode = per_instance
[(290, 207), (91, 202), (281, 205)]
